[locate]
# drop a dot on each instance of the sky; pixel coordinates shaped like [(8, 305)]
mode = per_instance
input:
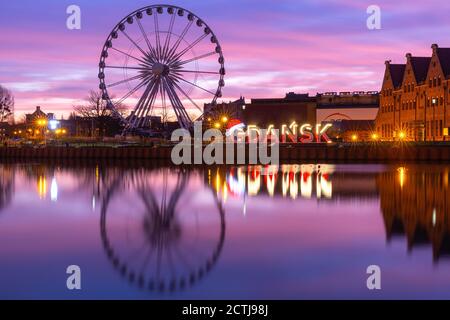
[(270, 47)]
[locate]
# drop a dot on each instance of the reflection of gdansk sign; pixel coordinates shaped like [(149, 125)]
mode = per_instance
[(292, 133)]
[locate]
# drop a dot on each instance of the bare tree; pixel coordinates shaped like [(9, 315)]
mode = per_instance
[(6, 104), (96, 109)]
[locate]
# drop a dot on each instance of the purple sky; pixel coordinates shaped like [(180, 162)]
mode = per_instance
[(270, 47)]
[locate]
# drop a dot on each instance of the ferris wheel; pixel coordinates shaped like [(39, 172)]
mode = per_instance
[(160, 61), (162, 239)]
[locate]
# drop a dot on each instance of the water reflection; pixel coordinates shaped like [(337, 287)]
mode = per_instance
[(6, 185), (292, 181), (289, 180), (162, 230), (415, 204)]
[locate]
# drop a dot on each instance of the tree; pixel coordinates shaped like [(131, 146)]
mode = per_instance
[(6, 104), (95, 108)]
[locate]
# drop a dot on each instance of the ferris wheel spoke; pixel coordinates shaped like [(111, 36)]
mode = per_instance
[(150, 47), (189, 47), (138, 106), (183, 117), (173, 50), (126, 67), (193, 84), (146, 104), (136, 88), (175, 107), (195, 58), (124, 80), (197, 71), (133, 42), (151, 103), (169, 34), (128, 55), (158, 40), (185, 94)]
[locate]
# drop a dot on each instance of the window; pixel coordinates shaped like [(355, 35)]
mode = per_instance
[(439, 81)]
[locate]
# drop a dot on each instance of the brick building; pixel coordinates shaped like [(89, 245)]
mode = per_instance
[(414, 98)]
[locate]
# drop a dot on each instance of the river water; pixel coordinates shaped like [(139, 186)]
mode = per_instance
[(253, 232)]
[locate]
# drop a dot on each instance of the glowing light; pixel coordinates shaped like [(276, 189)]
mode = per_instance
[(402, 135), (53, 124), (354, 137), (224, 119), (42, 186), (217, 125), (41, 122), (433, 217), (54, 190), (401, 176), (374, 136)]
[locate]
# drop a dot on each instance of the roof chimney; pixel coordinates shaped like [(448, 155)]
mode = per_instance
[(434, 46), (387, 62), (38, 108), (408, 56)]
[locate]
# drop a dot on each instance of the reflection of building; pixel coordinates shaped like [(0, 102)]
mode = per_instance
[(7, 181), (414, 98), (415, 204)]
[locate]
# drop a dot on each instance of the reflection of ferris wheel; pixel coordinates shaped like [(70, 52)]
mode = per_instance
[(162, 239), (156, 56)]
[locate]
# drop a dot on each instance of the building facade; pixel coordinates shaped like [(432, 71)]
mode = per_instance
[(414, 98), (300, 108)]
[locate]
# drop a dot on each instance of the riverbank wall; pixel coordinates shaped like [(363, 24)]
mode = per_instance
[(312, 152)]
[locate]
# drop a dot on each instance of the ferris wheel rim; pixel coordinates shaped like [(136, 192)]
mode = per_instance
[(163, 9)]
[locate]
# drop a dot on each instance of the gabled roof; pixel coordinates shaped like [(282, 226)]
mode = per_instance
[(397, 71), (420, 67), (444, 59)]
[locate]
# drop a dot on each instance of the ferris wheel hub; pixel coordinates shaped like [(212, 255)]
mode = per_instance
[(159, 69)]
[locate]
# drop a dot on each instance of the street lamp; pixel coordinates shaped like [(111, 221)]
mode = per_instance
[(354, 137)]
